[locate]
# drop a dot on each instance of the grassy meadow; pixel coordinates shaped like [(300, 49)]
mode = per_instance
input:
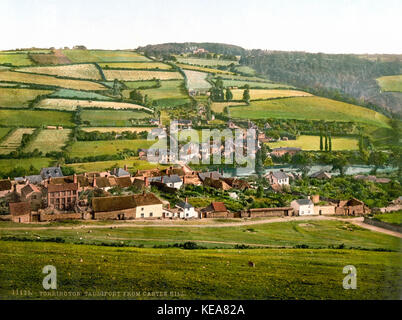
[(23, 77), (205, 62), (260, 94), (19, 98), (390, 83), (313, 143), (49, 140), (35, 118), (81, 71), (15, 59), (202, 69), (82, 95), (136, 75), (197, 80), (394, 218), (111, 118), (81, 149), (117, 130), (253, 84), (79, 56), (135, 65), (13, 141), (38, 163), (310, 108)]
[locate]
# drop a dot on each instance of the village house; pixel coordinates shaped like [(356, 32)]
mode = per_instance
[(237, 184), (119, 172), (352, 207), (277, 178), (267, 212), (62, 196), (33, 194), (215, 175), (20, 212), (172, 181), (148, 206), (216, 183), (303, 207), (216, 210), (321, 175), (186, 210), (279, 152), (114, 208)]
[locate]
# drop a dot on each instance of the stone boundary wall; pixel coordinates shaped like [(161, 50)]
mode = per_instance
[(382, 224), (60, 216)]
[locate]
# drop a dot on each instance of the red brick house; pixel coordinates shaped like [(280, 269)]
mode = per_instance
[(62, 196)]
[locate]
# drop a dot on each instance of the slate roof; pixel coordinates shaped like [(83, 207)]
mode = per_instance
[(322, 174), (51, 172), (184, 205), (215, 175), (35, 179), (280, 175), (28, 189), (119, 172), (304, 202), (174, 178)]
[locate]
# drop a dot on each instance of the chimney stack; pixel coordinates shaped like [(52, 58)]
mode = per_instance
[(186, 200), (75, 178), (184, 179), (125, 167), (146, 180), (94, 184)]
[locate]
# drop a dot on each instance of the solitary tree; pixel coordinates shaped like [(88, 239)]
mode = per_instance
[(246, 95), (228, 95)]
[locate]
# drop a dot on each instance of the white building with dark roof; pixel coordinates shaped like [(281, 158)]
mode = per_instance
[(303, 207)]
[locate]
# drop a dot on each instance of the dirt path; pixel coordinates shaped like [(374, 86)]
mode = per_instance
[(358, 221)]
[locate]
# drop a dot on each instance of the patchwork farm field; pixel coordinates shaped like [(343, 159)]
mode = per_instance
[(202, 69), (117, 130), (260, 94), (84, 95), (391, 83), (81, 149), (220, 106), (10, 164), (133, 164), (80, 71), (49, 141), (197, 80), (35, 118), (71, 105), (170, 93), (13, 141), (15, 59), (205, 62), (22, 77), (139, 84), (3, 132), (313, 143), (312, 108), (253, 84), (103, 56), (135, 75), (110, 118), (53, 57), (18, 98), (135, 65)]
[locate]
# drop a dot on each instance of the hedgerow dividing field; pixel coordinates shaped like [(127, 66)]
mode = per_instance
[(71, 104), (18, 98), (202, 69), (34, 118), (260, 94), (81, 71), (49, 140), (313, 143), (21, 77), (254, 84), (13, 141), (135, 75), (312, 108), (84, 95), (220, 106)]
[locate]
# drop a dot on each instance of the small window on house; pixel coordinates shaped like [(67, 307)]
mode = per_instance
[(151, 214), (142, 215), (142, 209)]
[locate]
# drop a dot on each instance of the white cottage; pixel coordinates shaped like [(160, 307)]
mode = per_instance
[(186, 210), (303, 207)]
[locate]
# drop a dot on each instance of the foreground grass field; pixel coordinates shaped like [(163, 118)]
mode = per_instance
[(391, 83), (197, 274), (313, 143), (394, 218), (312, 108)]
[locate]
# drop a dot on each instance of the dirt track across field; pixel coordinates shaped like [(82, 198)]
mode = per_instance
[(162, 224)]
